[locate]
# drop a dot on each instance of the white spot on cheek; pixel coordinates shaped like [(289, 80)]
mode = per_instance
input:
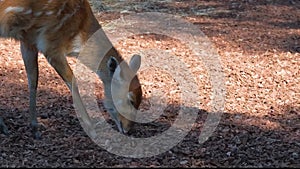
[(14, 9)]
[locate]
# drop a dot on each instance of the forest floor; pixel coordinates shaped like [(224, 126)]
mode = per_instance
[(258, 46)]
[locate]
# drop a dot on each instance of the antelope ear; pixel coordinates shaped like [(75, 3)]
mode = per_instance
[(135, 63), (124, 72)]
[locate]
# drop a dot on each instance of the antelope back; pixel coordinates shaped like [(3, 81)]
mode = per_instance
[(63, 25)]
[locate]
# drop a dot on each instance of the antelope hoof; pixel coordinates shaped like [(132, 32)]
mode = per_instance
[(35, 131), (37, 135)]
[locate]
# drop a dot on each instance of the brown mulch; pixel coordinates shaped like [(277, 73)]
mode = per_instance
[(259, 47)]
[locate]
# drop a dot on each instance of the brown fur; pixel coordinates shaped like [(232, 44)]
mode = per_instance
[(51, 27)]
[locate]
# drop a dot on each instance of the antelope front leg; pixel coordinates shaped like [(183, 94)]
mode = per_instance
[(60, 64), (30, 57)]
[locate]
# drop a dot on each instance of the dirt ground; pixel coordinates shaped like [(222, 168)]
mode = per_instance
[(259, 47)]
